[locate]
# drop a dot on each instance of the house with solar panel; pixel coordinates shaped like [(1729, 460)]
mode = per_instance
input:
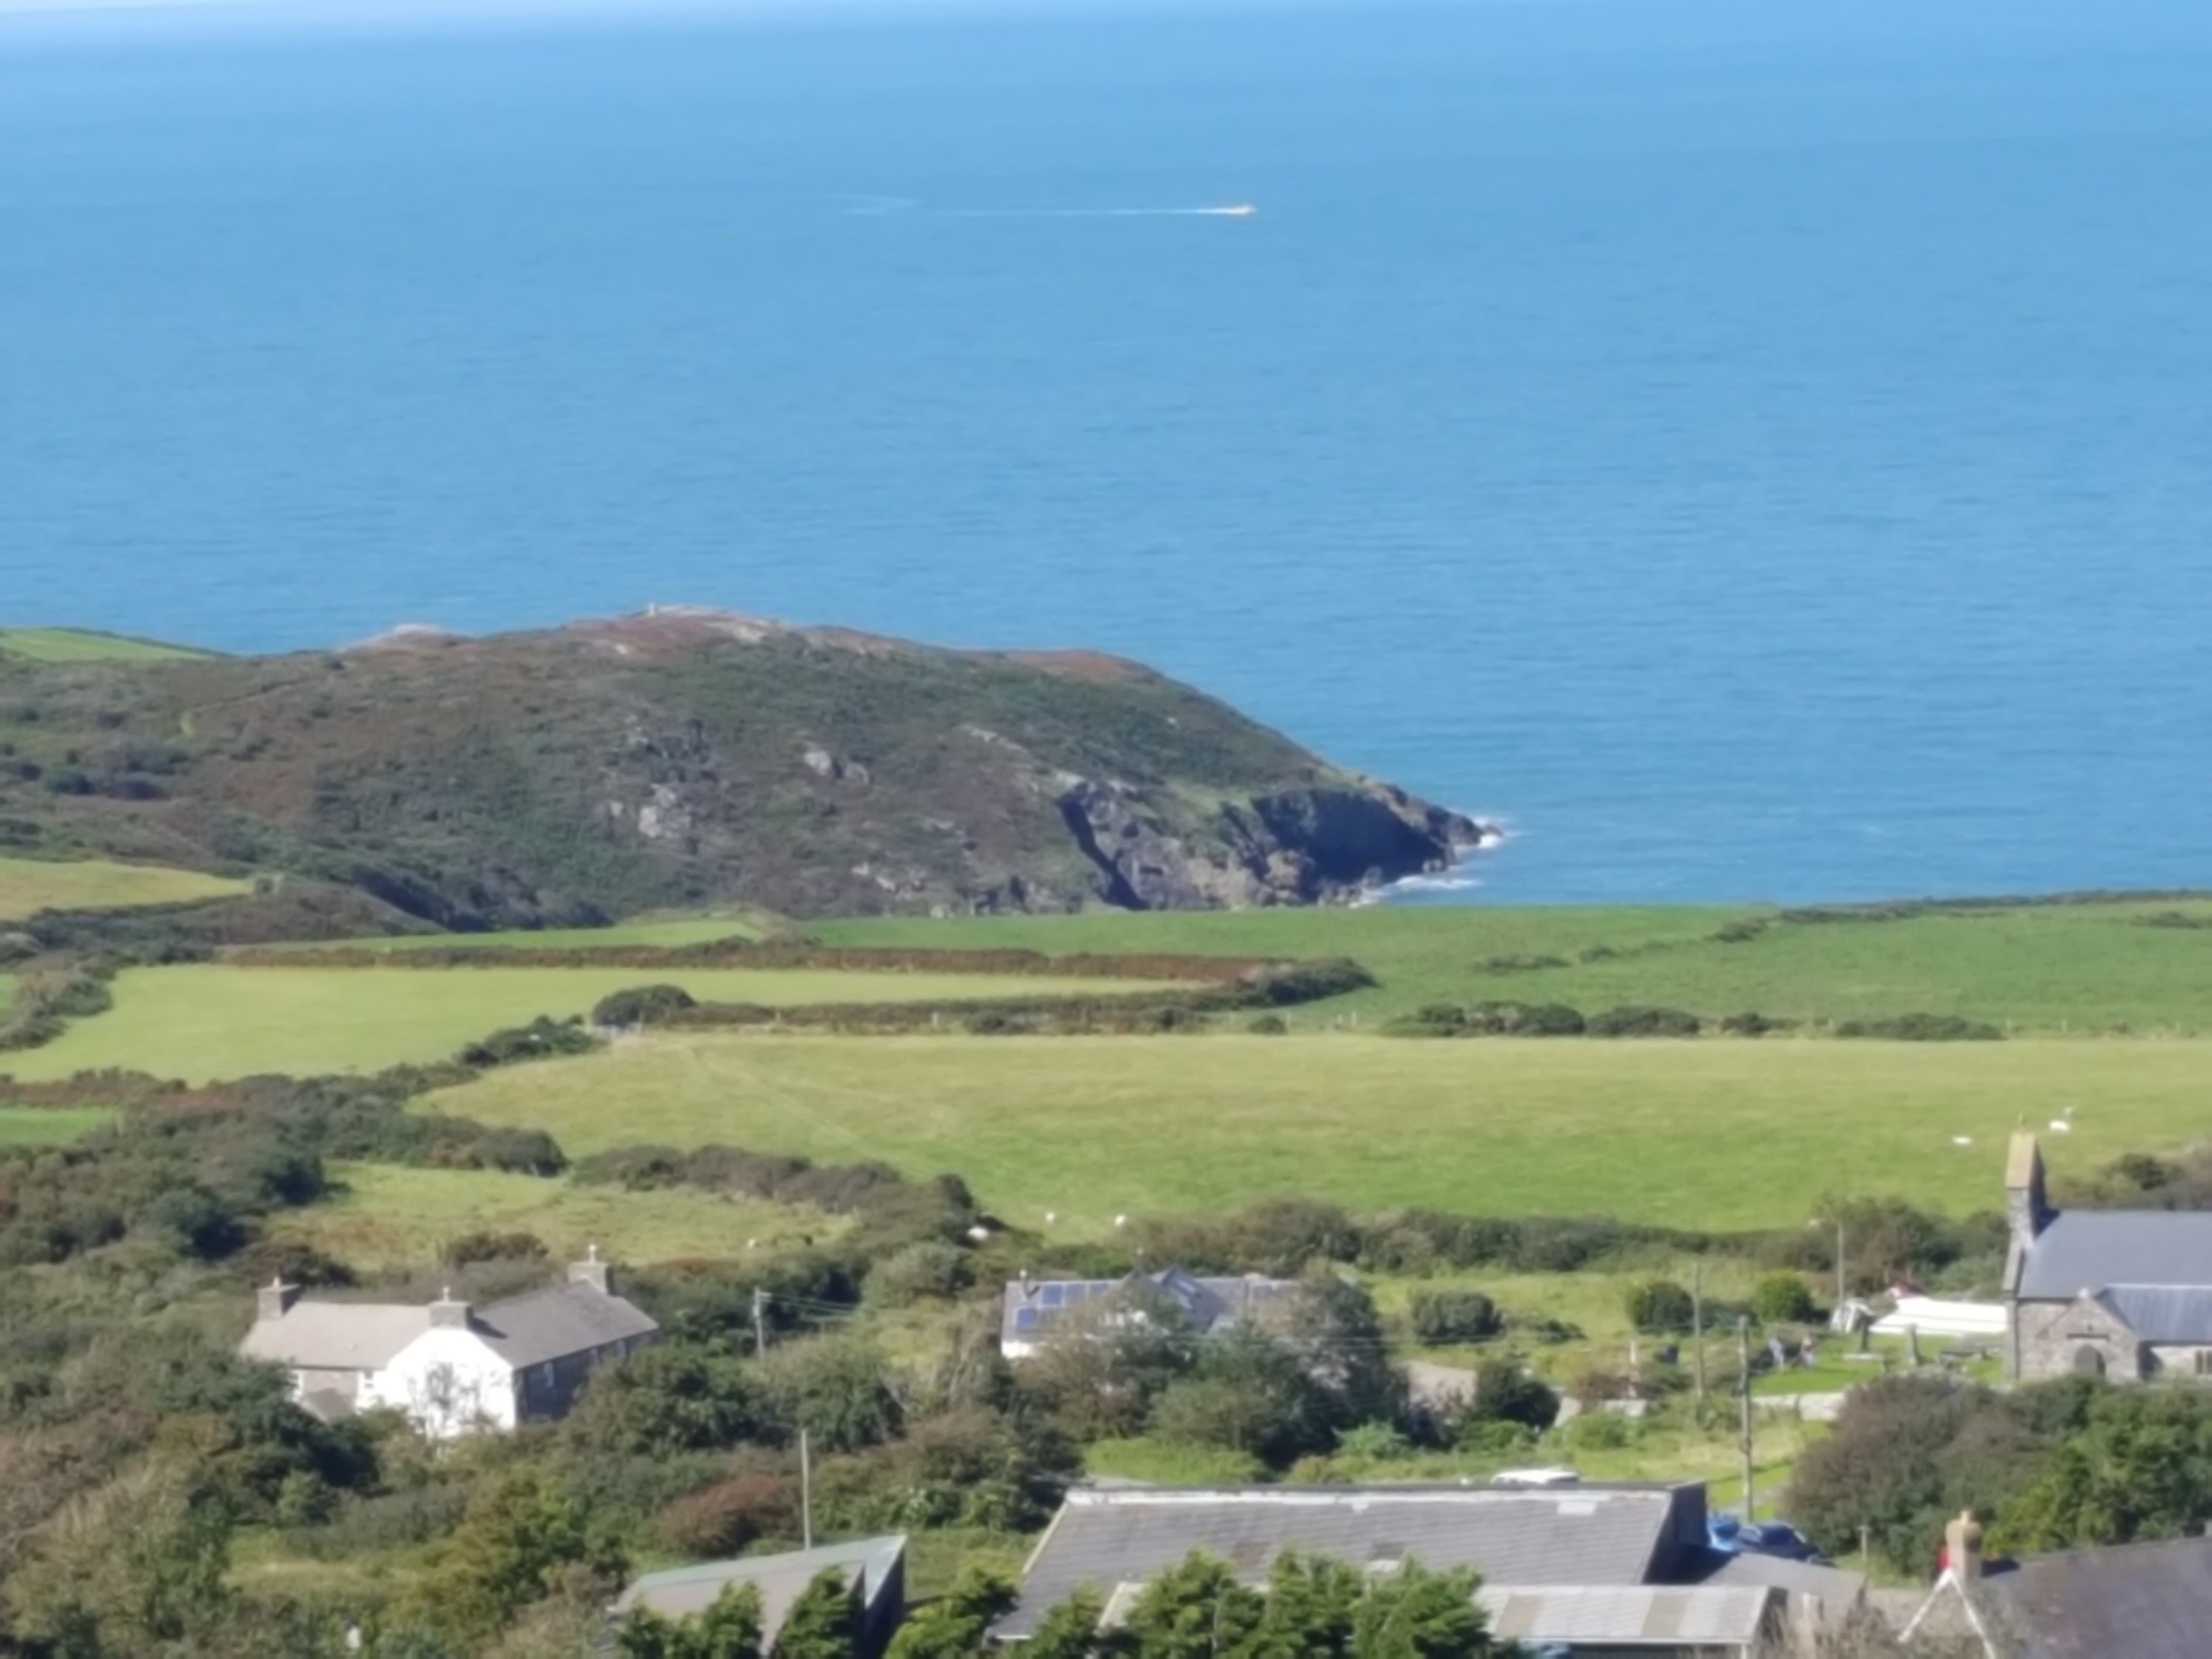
[(1036, 1308), (2124, 1294)]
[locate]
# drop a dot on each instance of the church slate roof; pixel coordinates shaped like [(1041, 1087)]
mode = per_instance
[(2090, 1250), (2145, 1601)]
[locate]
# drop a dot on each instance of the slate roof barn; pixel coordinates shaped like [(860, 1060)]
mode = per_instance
[(874, 1569), (2142, 1600), (1571, 1537)]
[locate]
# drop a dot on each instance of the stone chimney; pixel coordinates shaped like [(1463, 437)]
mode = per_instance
[(2027, 1211), (592, 1271), (275, 1299), (1962, 1548), (448, 1313)]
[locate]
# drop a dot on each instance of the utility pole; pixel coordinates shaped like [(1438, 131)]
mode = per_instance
[(760, 1321), (805, 1490), (1743, 1373), (1840, 1291), (1697, 1328)]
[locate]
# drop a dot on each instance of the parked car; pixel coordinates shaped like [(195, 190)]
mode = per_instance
[(1778, 1538)]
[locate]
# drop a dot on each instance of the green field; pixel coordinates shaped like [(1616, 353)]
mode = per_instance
[(29, 885), (206, 1021), (47, 1126), (387, 1217), (2052, 968), (84, 645), (690, 930), (1726, 1134)]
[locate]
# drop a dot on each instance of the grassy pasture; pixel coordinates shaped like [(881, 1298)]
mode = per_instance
[(28, 885), (2052, 968), (691, 930), (1718, 1134), (205, 1021), (47, 1126), (389, 1217), (86, 645)]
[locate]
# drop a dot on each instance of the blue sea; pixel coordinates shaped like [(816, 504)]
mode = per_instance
[(1754, 451)]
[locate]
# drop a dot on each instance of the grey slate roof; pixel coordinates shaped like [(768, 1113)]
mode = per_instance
[(556, 1322), (1835, 1587), (336, 1336), (1033, 1307), (681, 1591), (1628, 1616), (2162, 1313), (524, 1330), (2144, 1601), (2090, 1249), (1575, 1535)]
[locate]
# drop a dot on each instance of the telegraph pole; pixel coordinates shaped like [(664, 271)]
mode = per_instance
[(1698, 1329), (1743, 1374), (805, 1490), (1840, 1292), (760, 1321)]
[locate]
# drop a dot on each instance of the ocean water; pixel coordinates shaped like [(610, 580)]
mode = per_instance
[(1755, 451)]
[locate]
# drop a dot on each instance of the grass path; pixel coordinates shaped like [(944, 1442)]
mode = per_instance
[(31, 884), (1720, 1133), (47, 1126), (208, 1020)]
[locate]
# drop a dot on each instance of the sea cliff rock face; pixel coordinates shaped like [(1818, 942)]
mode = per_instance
[(687, 756)]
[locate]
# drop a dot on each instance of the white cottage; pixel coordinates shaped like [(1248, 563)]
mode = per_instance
[(451, 1367)]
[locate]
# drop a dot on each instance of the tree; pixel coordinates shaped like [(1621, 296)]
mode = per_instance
[(729, 1629), (952, 1626), (1442, 1316), (2141, 1468), (1783, 1299), (671, 1397), (1659, 1307), (837, 1388), (126, 1568), (820, 1624), (1415, 1613), (513, 1540), (1881, 1468), (1070, 1630), (1195, 1610), (1313, 1606)]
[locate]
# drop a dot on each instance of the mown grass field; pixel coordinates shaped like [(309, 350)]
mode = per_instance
[(205, 1021), (2046, 967), (1714, 1133), (47, 1126), (390, 1217), (85, 645), (28, 885)]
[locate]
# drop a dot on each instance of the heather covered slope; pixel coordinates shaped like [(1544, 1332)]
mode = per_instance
[(679, 758)]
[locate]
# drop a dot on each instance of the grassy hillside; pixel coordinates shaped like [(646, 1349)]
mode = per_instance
[(1723, 1133), (86, 645), (386, 1216), (29, 885), (207, 1020), (2143, 965), (47, 1126), (680, 760)]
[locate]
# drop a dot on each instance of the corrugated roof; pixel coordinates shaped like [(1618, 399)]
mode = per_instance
[(2089, 1250), (681, 1591), (1578, 1535), (1629, 1616), (556, 1322), (525, 1330)]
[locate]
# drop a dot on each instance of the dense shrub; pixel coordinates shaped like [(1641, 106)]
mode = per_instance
[(1642, 1022), (1783, 1299), (731, 1515), (921, 1271), (1921, 1028), (493, 1247), (1753, 1024), (835, 1388), (543, 1038), (641, 1004), (1660, 1307), (672, 1397), (1444, 1316)]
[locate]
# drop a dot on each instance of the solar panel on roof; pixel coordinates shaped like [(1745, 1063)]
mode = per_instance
[(1052, 1293), (1025, 1319)]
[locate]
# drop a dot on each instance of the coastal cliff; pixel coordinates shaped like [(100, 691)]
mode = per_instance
[(690, 756)]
